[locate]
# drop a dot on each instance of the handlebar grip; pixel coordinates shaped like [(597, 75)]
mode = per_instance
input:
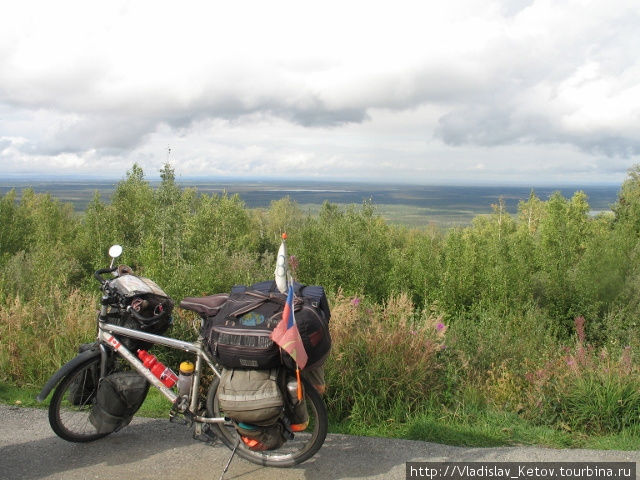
[(98, 273)]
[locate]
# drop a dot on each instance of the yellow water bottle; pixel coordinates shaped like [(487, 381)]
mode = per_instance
[(184, 378)]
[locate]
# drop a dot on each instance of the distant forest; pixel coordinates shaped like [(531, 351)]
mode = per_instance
[(409, 205)]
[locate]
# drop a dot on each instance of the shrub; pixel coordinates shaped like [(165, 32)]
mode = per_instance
[(385, 359), (41, 334), (586, 389), (492, 338)]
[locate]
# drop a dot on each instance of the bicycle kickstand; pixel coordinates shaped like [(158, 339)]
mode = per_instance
[(226, 467)]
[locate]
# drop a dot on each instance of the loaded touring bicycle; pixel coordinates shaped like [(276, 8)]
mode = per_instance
[(99, 391)]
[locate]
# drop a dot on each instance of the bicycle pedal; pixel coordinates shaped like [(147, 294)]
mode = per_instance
[(178, 419), (204, 434)]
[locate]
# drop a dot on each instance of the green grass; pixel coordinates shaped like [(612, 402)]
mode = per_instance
[(471, 427), (155, 405), (602, 403), (22, 396), (488, 428)]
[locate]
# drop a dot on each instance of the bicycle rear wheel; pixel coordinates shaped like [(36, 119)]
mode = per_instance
[(303, 446), (72, 402)]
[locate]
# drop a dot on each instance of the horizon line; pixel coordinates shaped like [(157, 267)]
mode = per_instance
[(23, 178)]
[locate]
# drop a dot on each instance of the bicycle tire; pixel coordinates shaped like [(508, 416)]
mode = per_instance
[(69, 412), (304, 445)]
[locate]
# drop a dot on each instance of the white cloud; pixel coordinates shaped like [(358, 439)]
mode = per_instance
[(403, 90)]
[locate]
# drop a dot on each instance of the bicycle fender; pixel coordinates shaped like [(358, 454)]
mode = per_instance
[(66, 368)]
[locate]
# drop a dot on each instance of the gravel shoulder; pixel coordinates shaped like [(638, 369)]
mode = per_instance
[(154, 449)]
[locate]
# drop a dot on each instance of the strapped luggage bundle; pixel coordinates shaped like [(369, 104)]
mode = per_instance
[(144, 306), (238, 335), (255, 387)]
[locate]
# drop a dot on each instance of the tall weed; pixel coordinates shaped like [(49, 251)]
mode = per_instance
[(385, 359), (584, 388), (39, 335), (492, 338)]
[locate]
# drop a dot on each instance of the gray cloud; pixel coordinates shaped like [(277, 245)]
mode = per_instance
[(107, 134), (489, 126), (521, 73)]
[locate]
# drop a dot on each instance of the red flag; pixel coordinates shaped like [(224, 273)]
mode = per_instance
[(286, 333)]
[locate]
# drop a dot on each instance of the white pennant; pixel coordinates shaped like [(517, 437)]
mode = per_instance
[(282, 267)]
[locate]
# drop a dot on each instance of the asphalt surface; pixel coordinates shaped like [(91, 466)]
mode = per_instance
[(156, 449)]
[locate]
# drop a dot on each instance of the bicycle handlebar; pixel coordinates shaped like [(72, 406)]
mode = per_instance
[(98, 273)]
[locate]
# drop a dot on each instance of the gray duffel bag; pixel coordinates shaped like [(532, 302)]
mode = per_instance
[(251, 396)]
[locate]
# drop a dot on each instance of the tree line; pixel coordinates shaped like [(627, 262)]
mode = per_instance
[(552, 255)]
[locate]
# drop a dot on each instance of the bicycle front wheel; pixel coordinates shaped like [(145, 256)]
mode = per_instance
[(303, 446), (72, 402)]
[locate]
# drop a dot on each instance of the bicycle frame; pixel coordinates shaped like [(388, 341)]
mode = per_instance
[(106, 332)]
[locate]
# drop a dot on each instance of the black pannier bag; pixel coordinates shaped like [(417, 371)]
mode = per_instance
[(152, 307), (118, 398), (238, 336)]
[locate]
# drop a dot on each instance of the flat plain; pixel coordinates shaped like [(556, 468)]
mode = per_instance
[(410, 205)]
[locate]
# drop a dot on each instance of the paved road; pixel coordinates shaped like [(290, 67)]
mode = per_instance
[(155, 449)]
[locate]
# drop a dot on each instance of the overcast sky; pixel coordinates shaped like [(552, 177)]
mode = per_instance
[(426, 92)]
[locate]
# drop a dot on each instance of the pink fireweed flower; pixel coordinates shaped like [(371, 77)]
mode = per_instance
[(581, 356), (439, 326), (355, 302)]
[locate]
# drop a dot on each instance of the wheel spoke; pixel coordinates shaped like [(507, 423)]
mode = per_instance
[(72, 402)]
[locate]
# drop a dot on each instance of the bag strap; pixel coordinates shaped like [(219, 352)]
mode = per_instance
[(260, 299)]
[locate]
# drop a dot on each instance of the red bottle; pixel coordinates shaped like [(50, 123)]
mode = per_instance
[(165, 374)]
